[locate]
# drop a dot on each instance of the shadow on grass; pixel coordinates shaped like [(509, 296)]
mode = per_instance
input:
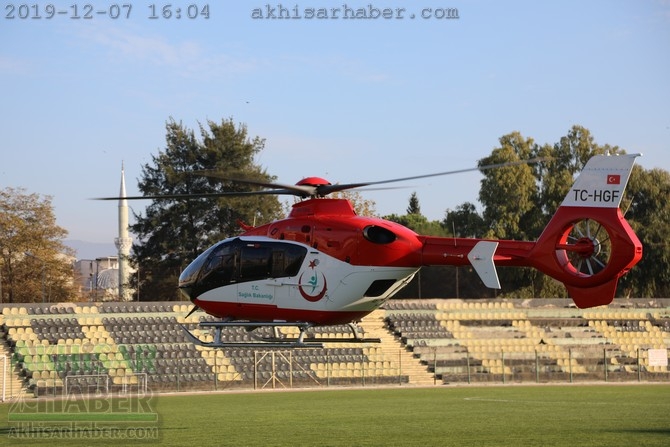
[(646, 431)]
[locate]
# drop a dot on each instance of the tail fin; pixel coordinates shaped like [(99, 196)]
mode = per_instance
[(588, 245)]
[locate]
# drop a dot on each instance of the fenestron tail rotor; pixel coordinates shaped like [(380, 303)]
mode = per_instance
[(587, 247)]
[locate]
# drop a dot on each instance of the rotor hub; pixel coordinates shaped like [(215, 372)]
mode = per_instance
[(313, 181), (586, 247)]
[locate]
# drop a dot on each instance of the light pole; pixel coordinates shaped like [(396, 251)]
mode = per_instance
[(44, 275)]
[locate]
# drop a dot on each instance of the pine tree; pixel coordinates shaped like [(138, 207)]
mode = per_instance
[(174, 231), (414, 207)]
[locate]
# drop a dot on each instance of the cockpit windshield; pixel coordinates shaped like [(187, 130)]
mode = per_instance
[(190, 273)]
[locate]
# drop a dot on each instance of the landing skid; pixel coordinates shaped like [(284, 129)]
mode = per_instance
[(302, 341)]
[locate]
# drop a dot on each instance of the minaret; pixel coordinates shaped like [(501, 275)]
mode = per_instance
[(123, 242)]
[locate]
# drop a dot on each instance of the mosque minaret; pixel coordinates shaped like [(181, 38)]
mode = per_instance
[(123, 242)]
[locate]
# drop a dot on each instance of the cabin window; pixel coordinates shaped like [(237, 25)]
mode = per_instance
[(237, 261), (255, 262)]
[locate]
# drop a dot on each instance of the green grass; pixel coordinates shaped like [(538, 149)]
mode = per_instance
[(570, 415)]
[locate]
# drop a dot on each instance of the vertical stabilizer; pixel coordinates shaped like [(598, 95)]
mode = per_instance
[(602, 182)]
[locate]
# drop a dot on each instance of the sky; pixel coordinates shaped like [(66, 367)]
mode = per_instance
[(346, 99)]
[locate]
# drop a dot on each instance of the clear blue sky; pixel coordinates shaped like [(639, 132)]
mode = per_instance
[(349, 100)]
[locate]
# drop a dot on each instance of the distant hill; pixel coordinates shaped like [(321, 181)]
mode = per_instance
[(92, 250)]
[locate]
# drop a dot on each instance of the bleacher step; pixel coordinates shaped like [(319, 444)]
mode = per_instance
[(374, 326)]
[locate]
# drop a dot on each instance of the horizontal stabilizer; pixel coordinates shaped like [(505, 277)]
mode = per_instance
[(481, 258)]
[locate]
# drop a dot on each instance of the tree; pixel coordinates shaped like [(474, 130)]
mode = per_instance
[(419, 224), (362, 207), (514, 203), (35, 265), (510, 199), (414, 207), (568, 158), (173, 232), (647, 208), (416, 221), (509, 194), (519, 201), (464, 221), (430, 281)]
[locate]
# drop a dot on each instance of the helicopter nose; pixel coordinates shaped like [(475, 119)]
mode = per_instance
[(188, 278), (186, 291)]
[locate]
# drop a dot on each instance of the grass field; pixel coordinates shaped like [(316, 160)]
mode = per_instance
[(572, 415)]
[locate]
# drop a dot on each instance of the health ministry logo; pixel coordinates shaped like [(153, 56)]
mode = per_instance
[(313, 289)]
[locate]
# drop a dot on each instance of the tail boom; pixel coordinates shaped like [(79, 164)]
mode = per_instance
[(587, 245)]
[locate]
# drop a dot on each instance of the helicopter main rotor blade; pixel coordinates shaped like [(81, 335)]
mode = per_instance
[(298, 190), (334, 188), (324, 190), (309, 190), (201, 195)]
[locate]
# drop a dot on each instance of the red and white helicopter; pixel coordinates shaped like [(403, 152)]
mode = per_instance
[(325, 265)]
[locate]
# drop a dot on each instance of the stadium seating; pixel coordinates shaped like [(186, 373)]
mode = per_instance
[(524, 341), (138, 346), (132, 346)]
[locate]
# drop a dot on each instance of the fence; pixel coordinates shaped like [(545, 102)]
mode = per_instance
[(276, 369), (239, 369), (585, 365)]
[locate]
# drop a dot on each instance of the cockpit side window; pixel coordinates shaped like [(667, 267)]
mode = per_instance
[(237, 261)]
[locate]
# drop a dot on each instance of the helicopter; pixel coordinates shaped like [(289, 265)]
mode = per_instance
[(325, 265)]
